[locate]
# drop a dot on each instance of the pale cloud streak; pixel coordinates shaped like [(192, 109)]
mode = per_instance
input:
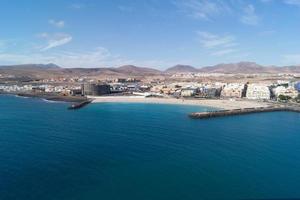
[(99, 57), (77, 6), (217, 45), (250, 17), (202, 9), (209, 40), (55, 40), (209, 10), (292, 2), (288, 2), (58, 24), (223, 52)]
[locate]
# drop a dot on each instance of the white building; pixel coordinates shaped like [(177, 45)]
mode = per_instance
[(255, 91), (188, 92), (233, 90), (286, 91)]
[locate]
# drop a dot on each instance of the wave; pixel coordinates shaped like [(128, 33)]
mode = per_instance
[(51, 101), (23, 97)]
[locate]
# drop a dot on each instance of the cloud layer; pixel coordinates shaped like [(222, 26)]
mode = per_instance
[(55, 40)]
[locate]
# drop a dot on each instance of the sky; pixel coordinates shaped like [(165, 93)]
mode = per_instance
[(149, 33)]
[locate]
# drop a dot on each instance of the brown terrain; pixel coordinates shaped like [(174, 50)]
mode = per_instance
[(40, 71)]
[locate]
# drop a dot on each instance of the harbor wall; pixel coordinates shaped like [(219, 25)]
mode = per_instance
[(222, 113)]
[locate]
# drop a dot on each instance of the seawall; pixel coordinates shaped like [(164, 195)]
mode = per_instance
[(80, 104), (222, 113)]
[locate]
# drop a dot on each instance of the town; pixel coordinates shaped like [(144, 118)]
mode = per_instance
[(186, 87)]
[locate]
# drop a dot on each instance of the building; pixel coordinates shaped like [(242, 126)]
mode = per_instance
[(188, 92), (94, 89), (285, 91), (255, 91), (209, 92), (120, 80), (117, 88), (76, 92), (233, 90), (297, 86)]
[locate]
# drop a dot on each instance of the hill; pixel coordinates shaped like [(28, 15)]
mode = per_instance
[(180, 69), (248, 68), (134, 70), (37, 71)]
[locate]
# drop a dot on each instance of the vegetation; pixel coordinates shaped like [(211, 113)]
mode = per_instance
[(298, 98), (284, 98)]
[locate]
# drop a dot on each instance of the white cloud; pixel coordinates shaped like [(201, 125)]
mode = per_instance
[(217, 45), (202, 9), (292, 2), (99, 57), (289, 2), (209, 40), (58, 24), (55, 40), (250, 17)]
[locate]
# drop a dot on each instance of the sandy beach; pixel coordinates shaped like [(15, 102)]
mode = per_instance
[(215, 103)]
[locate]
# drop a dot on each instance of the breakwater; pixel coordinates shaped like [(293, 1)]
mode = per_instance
[(53, 97), (222, 113), (80, 104)]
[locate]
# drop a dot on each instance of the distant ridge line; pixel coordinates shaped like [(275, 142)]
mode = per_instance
[(41, 70)]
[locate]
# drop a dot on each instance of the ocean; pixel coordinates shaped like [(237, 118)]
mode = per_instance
[(132, 151)]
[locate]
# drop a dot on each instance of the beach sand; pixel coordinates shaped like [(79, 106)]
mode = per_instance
[(215, 103)]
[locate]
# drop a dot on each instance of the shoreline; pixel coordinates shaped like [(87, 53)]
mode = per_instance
[(213, 103), (49, 97)]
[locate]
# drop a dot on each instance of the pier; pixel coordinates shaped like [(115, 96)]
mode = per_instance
[(222, 113), (80, 104)]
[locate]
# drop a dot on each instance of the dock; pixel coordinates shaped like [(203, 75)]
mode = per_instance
[(80, 104), (222, 113)]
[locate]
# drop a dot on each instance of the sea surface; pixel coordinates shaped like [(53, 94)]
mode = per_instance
[(123, 151)]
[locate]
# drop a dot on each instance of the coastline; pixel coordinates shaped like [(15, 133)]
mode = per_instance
[(214, 103), (49, 97)]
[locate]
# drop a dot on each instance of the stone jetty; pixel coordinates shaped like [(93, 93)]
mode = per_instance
[(222, 113), (80, 104)]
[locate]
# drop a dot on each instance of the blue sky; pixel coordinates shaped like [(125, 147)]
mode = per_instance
[(151, 33)]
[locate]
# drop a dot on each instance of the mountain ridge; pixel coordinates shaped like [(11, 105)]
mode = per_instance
[(46, 70)]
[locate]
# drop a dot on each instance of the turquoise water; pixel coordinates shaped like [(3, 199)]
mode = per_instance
[(143, 151)]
